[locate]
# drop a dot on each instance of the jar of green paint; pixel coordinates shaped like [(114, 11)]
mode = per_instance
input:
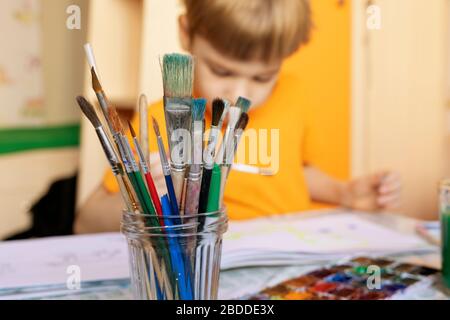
[(445, 229)]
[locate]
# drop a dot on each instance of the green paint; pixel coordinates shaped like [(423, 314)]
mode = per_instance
[(360, 270), (22, 139), (445, 234)]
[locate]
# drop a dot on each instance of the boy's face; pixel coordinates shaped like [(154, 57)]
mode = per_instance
[(219, 76)]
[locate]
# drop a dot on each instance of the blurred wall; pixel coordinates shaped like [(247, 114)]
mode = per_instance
[(128, 60), (399, 97), (392, 116), (27, 175)]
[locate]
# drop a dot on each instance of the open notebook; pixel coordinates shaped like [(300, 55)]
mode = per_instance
[(295, 240)]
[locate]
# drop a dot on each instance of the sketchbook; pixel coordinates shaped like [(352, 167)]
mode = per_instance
[(295, 240)]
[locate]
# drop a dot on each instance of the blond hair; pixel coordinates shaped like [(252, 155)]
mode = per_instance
[(251, 29)]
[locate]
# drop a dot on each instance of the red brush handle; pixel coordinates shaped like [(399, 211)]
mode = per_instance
[(154, 195)]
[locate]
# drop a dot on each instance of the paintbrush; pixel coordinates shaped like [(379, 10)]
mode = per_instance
[(234, 142), (218, 110), (143, 126), (148, 176), (226, 109), (131, 166), (166, 170), (183, 194), (233, 117), (244, 104), (195, 171), (111, 155), (90, 56), (178, 77), (101, 96), (239, 131)]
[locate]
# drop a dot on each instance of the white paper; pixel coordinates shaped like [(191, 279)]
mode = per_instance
[(46, 261), (293, 239)]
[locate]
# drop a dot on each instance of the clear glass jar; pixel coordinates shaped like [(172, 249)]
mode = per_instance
[(444, 209), (175, 258)]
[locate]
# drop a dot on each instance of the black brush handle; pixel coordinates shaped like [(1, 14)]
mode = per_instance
[(204, 190)]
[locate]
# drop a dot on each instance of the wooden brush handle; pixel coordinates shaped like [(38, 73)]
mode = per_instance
[(192, 196), (178, 181)]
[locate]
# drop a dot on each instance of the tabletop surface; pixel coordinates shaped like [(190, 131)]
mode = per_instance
[(257, 278)]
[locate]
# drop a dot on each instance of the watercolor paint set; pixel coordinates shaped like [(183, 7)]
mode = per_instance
[(361, 278)]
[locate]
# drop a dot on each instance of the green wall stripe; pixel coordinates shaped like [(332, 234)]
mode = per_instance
[(22, 139)]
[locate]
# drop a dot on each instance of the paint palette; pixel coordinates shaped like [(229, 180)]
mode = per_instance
[(361, 278)]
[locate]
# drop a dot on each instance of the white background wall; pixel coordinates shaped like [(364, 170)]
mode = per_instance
[(399, 97)]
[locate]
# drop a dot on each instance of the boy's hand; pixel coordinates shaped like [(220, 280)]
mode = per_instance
[(373, 192)]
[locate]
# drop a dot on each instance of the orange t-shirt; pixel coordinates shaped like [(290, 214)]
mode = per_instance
[(282, 130)]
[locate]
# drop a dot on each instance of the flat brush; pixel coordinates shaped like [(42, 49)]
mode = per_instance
[(226, 109), (178, 78), (225, 169), (108, 149), (147, 174), (225, 148), (194, 180), (166, 170), (244, 104), (218, 109)]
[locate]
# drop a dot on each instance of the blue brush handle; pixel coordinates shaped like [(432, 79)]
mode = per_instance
[(176, 254), (172, 196)]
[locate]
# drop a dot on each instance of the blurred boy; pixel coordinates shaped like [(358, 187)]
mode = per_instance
[(239, 48)]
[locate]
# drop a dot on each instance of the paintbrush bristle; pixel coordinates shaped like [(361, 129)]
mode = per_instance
[(95, 82), (243, 104), (156, 127), (218, 106), (115, 121), (89, 111), (243, 122), (133, 133), (178, 75), (198, 109)]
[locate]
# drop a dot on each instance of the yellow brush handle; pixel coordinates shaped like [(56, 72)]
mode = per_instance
[(178, 182)]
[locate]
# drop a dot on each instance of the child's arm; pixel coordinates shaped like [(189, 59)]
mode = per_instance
[(102, 212), (373, 192)]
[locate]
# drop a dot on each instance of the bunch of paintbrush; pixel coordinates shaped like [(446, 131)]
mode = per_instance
[(195, 175), (140, 196), (237, 122), (198, 174)]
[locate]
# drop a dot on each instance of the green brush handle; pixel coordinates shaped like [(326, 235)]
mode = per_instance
[(214, 190), (147, 202), (138, 183)]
